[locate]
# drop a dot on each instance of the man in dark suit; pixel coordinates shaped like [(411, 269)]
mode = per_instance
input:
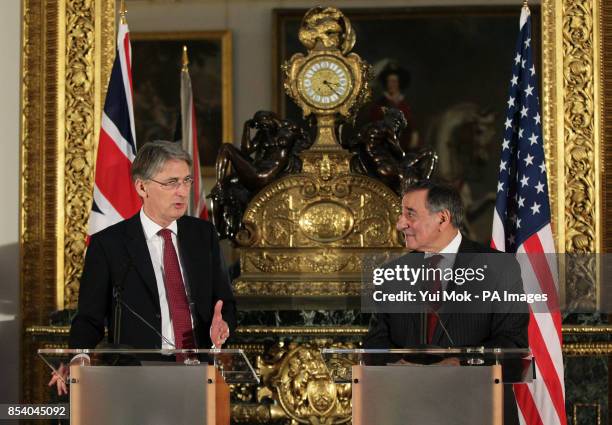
[(165, 267), (432, 215)]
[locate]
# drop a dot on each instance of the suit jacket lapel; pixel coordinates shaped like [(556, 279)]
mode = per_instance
[(139, 254)]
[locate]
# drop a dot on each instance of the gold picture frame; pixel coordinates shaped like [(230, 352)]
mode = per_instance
[(210, 69)]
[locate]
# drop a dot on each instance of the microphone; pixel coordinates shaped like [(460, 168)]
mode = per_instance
[(192, 308), (441, 323), (117, 291), (423, 327), (149, 325), (192, 311)]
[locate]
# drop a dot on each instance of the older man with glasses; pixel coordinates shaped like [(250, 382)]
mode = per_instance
[(163, 268)]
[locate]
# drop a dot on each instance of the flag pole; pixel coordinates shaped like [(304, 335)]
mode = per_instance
[(122, 12), (185, 59)]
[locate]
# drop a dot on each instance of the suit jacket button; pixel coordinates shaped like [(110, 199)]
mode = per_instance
[(158, 316)]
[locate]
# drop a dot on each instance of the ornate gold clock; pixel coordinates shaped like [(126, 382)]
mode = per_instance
[(328, 81), (307, 234), (325, 82)]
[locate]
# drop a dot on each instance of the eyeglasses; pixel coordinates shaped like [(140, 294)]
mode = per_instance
[(174, 184)]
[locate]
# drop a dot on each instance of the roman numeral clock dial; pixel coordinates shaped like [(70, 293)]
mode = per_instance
[(324, 82)]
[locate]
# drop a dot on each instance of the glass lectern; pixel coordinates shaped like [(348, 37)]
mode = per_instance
[(429, 386), (116, 386)]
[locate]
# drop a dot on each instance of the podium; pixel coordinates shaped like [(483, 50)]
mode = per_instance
[(116, 386), (458, 386)]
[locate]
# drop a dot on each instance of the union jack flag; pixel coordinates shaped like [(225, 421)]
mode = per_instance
[(521, 224), (114, 197)]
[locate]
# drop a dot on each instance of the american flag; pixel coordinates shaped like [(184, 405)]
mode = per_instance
[(114, 197), (521, 224), (187, 131)]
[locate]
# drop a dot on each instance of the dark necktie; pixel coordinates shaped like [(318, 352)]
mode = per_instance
[(175, 294), (435, 288)]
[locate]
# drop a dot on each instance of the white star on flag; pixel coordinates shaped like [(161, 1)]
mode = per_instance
[(524, 181)]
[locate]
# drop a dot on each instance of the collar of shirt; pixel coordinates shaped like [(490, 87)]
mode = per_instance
[(151, 228), (453, 246), (448, 261)]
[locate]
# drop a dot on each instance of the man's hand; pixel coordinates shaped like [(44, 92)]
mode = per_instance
[(59, 379), (219, 331), (449, 361)]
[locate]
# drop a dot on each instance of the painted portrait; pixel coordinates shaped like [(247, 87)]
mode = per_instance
[(156, 70)]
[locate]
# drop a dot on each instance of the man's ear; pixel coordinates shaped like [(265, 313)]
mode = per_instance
[(444, 219), (141, 190)]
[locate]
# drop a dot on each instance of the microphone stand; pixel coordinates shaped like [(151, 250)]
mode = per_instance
[(117, 293)]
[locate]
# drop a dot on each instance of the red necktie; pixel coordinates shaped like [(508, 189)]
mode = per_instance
[(436, 288), (175, 294)]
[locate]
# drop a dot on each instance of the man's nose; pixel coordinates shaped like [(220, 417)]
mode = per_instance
[(183, 189), (402, 223)]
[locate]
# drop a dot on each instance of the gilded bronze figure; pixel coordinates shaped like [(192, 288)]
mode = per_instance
[(378, 153)]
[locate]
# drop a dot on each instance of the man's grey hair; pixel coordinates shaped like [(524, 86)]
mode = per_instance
[(440, 196), (152, 156)]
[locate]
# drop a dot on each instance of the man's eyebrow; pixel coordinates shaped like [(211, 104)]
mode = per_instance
[(179, 178)]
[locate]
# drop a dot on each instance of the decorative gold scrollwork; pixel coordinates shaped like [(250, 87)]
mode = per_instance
[(303, 387)]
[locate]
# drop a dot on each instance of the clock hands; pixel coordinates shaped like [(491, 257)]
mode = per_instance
[(328, 84)]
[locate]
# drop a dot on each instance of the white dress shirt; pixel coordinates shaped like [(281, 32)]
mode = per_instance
[(155, 243), (453, 246)]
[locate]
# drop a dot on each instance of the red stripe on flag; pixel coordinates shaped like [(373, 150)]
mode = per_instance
[(541, 268), (527, 405), (113, 177), (546, 366)]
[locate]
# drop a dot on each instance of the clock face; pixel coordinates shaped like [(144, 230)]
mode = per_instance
[(325, 82)]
